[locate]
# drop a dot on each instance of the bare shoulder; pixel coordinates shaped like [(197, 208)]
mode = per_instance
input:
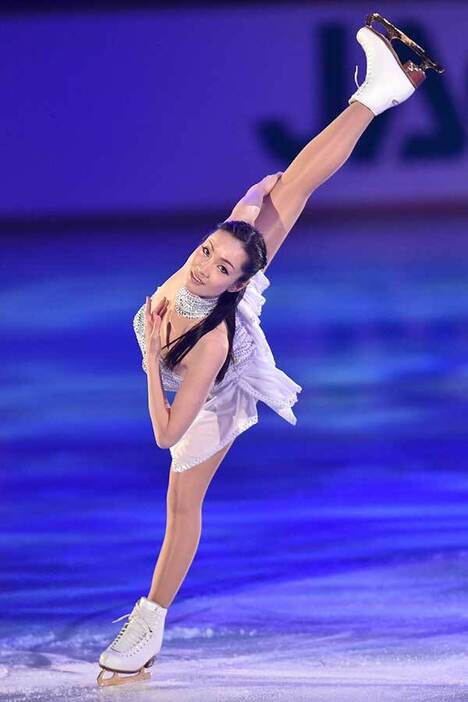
[(169, 286), (213, 343), (210, 351)]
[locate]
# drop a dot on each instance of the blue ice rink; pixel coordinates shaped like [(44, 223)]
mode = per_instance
[(333, 561)]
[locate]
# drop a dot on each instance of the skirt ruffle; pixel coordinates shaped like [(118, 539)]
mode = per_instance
[(261, 377)]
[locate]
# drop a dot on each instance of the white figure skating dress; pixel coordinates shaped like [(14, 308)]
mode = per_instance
[(230, 407)]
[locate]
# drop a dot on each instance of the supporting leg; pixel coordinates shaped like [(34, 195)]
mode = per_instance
[(317, 161), (184, 502)]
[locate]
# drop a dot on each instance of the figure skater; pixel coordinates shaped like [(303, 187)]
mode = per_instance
[(219, 362)]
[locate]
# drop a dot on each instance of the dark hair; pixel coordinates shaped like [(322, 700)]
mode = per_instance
[(255, 248)]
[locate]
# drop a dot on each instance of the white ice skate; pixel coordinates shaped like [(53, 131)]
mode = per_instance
[(388, 82), (136, 645)]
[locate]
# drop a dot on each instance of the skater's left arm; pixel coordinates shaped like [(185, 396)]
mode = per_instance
[(202, 365), (249, 206)]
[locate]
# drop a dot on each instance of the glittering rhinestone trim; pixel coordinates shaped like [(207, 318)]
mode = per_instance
[(192, 306)]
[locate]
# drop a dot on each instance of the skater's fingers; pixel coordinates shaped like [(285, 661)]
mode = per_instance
[(270, 181), (149, 316), (164, 308), (162, 304), (147, 307)]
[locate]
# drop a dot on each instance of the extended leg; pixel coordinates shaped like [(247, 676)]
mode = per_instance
[(185, 496), (317, 161)]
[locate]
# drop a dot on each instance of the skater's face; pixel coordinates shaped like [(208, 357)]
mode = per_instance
[(217, 262)]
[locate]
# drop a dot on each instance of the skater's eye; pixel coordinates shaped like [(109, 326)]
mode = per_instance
[(225, 271)]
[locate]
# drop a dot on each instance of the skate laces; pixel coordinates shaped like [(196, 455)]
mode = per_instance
[(369, 59), (132, 633), (356, 75)]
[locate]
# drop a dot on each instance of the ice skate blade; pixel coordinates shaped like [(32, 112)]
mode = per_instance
[(117, 679), (392, 32), (413, 73)]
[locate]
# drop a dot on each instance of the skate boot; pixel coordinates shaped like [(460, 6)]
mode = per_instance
[(136, 645), (388, 82)]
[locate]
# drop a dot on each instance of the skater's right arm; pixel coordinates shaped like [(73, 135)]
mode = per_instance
[(249, 206)]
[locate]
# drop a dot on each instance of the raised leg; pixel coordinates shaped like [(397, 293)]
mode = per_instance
[(185, 495), (317, 161)]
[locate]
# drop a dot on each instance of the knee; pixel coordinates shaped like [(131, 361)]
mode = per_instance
[(180, 501)]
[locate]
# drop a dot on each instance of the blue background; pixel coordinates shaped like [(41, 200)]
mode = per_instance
[(333, 557)]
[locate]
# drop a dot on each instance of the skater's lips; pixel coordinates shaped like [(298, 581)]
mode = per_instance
[(197, 280)]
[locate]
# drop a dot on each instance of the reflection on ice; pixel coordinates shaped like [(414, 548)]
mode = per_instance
[(333, 559), (386, 633)]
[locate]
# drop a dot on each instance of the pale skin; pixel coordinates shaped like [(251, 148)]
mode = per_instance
[(273, 206)]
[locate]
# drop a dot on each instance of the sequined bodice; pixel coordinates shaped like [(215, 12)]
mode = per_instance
[(243, 348), (231, 405)]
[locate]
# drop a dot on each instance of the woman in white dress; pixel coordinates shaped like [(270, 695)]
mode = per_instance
[(200, 336)]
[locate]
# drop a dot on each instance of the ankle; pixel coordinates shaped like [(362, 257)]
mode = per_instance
[(158, 601)]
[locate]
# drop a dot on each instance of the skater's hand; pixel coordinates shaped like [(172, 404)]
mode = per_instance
[(248, 208), (153, 325), (269, 181)]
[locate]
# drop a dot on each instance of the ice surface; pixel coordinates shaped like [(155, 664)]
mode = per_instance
[(333, 562)]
